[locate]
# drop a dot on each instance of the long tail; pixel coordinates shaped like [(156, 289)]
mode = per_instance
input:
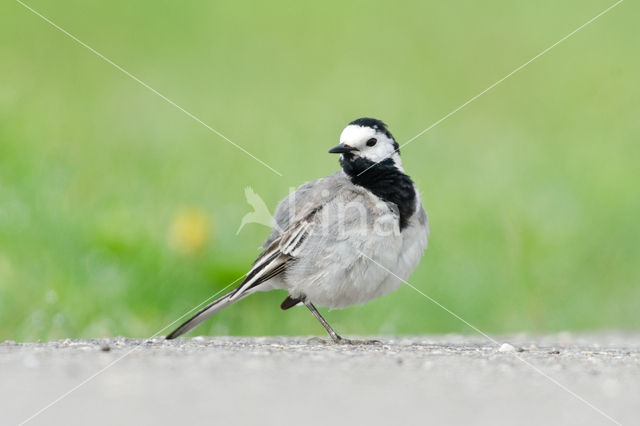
[(206, 312), (269, 264)]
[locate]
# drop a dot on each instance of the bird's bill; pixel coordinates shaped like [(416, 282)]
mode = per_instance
[(342, 149)]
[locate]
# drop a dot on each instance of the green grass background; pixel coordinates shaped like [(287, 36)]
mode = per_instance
[(532, 190)]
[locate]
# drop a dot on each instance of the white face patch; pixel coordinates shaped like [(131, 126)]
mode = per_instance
[(358, 136)]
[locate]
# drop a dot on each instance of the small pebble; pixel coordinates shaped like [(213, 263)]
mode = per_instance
[(105, 348), (506, 347)]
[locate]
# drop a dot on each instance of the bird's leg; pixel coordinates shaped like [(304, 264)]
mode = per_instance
[(336, 338)]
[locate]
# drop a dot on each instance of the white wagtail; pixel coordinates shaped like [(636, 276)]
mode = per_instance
[(337, 238)]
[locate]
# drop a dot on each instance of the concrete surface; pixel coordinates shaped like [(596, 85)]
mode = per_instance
[(450, 379)]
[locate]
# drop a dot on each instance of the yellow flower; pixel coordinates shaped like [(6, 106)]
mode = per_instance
[(190, 231)]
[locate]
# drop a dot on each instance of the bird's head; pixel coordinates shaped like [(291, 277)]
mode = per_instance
[(368, 139)]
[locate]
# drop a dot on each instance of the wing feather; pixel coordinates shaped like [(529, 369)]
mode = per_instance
[(278, 255)]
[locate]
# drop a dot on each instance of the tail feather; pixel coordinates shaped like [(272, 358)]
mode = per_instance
[(205, 313), (270, 263)]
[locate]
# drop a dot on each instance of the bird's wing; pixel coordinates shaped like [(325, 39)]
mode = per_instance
[(304, 200), (274, 260)]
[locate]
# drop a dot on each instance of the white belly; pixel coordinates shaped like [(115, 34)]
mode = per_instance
[(359, 268)]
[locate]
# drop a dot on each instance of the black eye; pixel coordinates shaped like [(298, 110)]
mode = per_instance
[(372, 142)]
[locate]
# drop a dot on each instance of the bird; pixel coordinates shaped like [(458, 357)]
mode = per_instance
[(343, 239)]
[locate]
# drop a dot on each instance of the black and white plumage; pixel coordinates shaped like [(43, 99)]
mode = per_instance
[(329, 230)]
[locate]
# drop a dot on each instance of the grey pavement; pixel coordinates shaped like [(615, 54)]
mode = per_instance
[(447, 379)]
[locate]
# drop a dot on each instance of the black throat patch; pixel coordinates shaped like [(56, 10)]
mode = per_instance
[(385, 181)]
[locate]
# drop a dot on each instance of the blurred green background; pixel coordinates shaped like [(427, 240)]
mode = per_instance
[(118, 212)]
